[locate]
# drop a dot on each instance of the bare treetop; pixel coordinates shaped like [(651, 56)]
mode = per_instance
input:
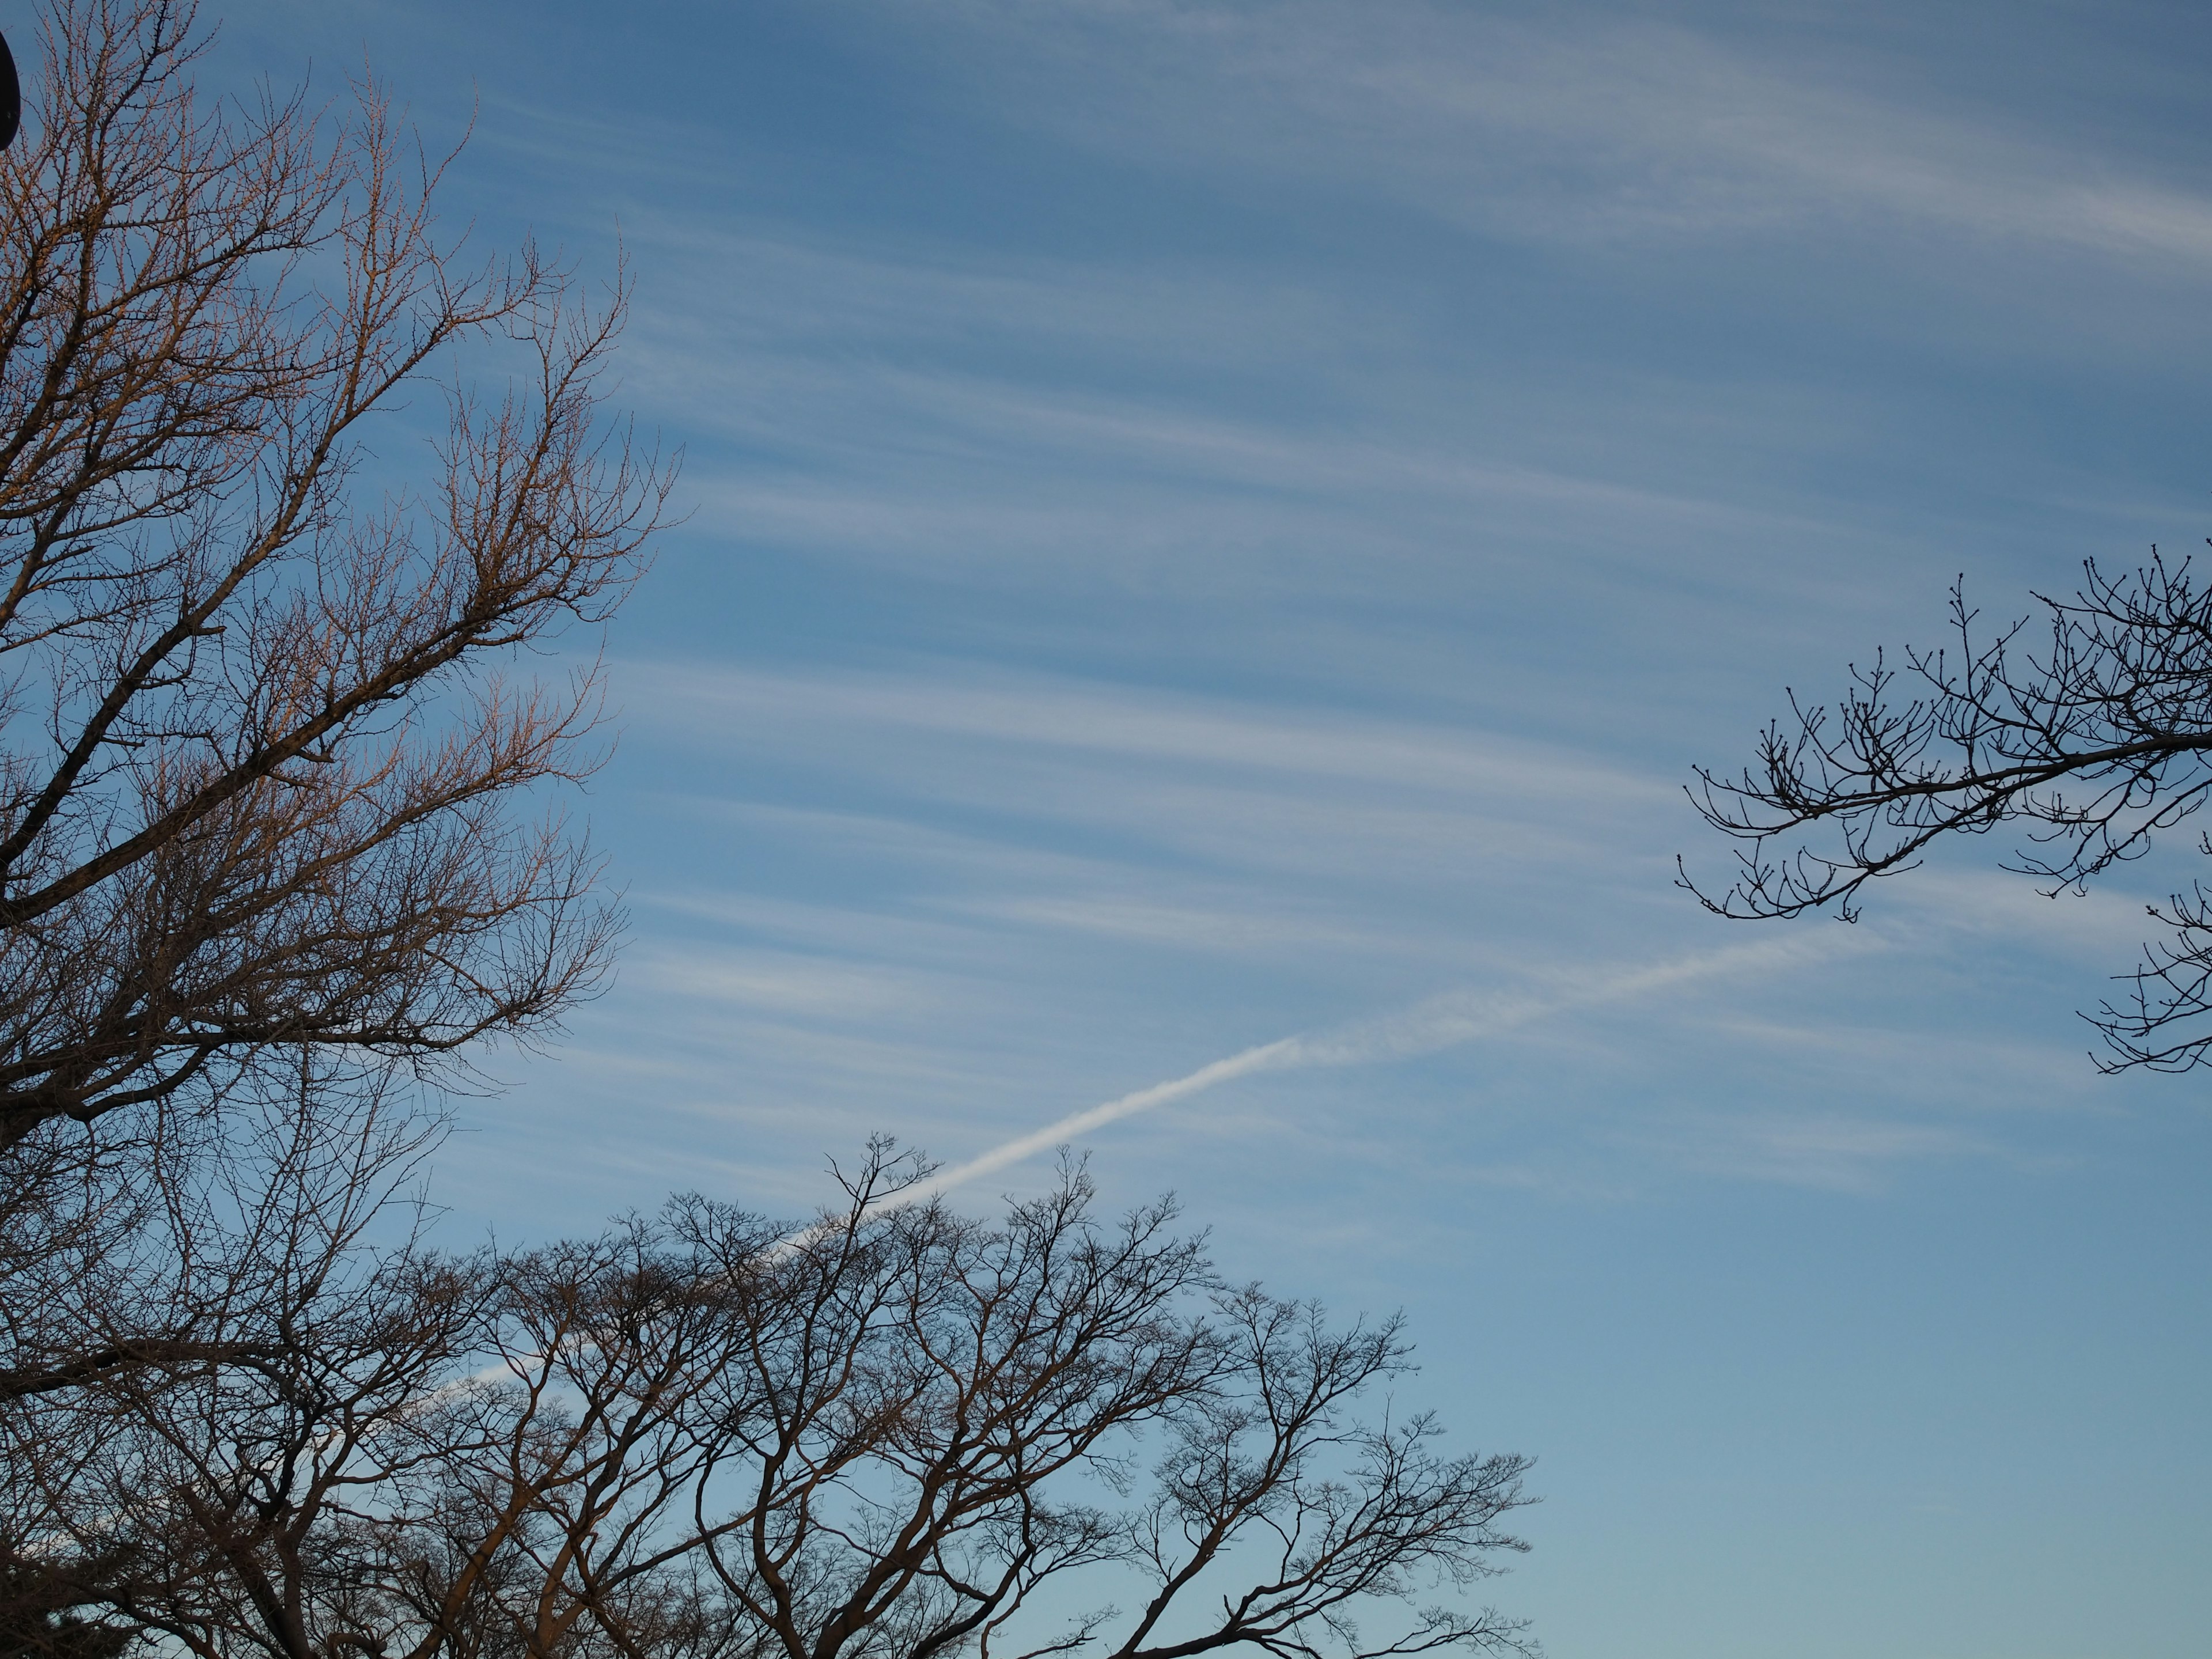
[(259, 759), (898, 1432)]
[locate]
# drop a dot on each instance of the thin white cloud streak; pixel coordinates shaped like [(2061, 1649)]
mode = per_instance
[(1834, 1151), (1616, 128), (1428, 1027), (1207, 736)]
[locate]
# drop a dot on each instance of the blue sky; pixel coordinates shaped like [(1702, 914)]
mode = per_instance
[(1219, 523)]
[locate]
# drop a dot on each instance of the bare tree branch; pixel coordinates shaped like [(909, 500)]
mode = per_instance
[(257, 758), (2095, 744)]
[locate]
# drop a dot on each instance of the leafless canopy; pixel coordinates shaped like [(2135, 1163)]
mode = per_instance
[(891, 1433), (2096, 744), (259, 768), (258, 760)]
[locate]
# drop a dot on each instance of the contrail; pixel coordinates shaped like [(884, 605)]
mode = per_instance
[(1424, 1028), (1267, 1057)]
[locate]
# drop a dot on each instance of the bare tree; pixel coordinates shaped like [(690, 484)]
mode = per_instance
[(160, 1356), (891, 1432), (265, 771), (2094, 742), (260, 851), (259, 758)]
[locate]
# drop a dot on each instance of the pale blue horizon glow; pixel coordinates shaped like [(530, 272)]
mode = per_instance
[(1217, 533)]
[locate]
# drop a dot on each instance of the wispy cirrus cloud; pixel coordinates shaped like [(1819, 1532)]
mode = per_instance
[(1623, 127), (1057, 712), (1834, 1151)]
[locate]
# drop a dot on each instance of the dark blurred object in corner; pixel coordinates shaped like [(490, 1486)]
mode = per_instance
[(11, 96)]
